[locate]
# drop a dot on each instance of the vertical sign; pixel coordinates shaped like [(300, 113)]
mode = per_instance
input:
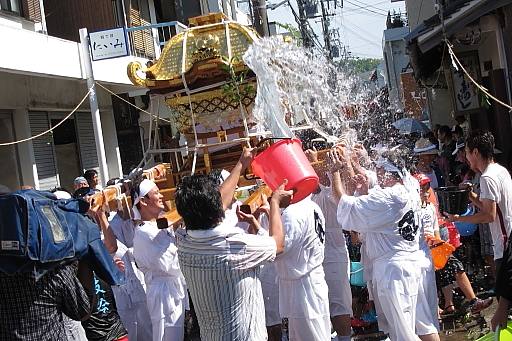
[(464, 91)]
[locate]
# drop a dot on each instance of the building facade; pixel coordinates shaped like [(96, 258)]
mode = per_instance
[(42, 80), (479, 32)]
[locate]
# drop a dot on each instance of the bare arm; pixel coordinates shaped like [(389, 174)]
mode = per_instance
[(280, 197), (487, 214), (109, 239), (337, 186), (228, 187)]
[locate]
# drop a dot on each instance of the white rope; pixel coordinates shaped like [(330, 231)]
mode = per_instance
[(133, 105), (52, 128), (480, 87)]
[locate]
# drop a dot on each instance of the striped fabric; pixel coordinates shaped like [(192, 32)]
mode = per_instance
[(221, 267)]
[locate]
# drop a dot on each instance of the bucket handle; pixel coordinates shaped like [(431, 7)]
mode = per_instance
[(357, 271), (257, 148)]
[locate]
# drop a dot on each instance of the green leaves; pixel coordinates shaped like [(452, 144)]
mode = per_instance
[(235, 89)]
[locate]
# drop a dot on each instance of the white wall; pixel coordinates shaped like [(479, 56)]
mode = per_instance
[(25, 51)]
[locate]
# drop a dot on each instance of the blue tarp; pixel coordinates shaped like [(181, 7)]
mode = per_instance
[(39, 232)]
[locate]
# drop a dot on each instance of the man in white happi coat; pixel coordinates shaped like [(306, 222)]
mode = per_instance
[(387, 216), (336, 260), (303, 292), (156, 255), (130, 297)]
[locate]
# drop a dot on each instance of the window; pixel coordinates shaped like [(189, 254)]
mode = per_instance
[(11, 6)]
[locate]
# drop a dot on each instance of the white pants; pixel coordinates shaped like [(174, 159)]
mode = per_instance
[(166, 332), (396, 286), (427, 305), (302, 329), (338, 282)]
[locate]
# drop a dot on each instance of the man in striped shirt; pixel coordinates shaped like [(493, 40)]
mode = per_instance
[(220, 262)]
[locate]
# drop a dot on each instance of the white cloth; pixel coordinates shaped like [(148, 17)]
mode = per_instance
[(396, 284), (222, 268), (303, 292), (427, 304), (496, 185), (335, 243), (302, 329), (269, 285), (386, 213), (337, 276), (156, 255), (131, 296), (388, 218), (74, 329), (336, 259), (428, 219)]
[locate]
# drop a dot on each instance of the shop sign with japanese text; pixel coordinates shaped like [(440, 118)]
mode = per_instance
[(108, 44)]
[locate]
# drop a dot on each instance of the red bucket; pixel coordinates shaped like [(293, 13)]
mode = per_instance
[(286, 160)]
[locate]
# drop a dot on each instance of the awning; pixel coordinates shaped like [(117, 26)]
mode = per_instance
[(458, 15)]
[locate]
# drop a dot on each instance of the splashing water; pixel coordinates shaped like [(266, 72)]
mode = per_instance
[(297, 88)]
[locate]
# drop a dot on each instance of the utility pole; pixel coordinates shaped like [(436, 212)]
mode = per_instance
[(93, 102), (260, 17), (306, 39), (325, 29)]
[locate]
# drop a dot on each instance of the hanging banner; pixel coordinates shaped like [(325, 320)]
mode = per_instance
[(465, 93), (414, 97)]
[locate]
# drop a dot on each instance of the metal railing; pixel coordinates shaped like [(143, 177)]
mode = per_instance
[(148, 41)]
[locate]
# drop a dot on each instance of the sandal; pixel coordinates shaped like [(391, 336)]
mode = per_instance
[(448, 310)]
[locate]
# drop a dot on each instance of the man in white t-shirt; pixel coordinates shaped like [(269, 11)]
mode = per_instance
[(494, 202)]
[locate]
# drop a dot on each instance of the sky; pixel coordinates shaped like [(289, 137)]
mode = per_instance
[(360, 23)]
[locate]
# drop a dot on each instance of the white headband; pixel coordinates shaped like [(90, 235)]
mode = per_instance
[(144, 188), (388, 166)]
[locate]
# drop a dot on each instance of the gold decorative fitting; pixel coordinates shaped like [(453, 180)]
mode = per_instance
[(212, 18), (206, 47)]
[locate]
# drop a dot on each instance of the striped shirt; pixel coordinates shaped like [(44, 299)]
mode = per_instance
[(221, 267)]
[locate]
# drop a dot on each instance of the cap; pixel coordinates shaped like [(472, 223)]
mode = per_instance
[(422, 178)]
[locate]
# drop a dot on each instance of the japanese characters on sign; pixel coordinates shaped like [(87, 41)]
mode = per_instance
[(108, 44), (465, 92)]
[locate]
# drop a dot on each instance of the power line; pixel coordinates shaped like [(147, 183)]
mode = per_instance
[(365, 8), (362, 37), (371, 6), (362, 29)]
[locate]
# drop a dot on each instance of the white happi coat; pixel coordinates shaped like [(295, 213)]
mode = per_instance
[(302, 287), (131, 296), (388, 217), (335, 244), (156, 255)]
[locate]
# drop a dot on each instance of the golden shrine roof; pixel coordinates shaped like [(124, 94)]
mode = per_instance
[(197, 54)]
